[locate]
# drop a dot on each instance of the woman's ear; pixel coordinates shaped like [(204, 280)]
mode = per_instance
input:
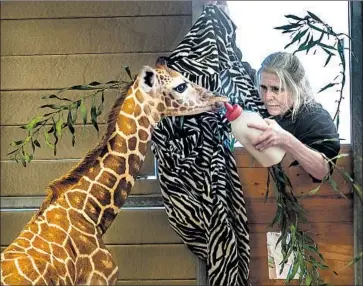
[(147, 78)]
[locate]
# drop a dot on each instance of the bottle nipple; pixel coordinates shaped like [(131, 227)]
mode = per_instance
[(233, 112)]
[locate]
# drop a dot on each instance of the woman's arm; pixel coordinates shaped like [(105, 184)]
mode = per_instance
[(310, 160)]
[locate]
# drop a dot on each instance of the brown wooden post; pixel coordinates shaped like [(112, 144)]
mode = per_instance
[(356, 87)]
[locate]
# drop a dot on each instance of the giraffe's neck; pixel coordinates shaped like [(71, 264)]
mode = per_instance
[(104, 187)]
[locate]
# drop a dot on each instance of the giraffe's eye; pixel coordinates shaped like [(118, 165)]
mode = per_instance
[(181, 87)]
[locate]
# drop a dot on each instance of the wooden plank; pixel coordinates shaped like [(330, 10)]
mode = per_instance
[(334, 239), (153, 262), (44, 9), (12, 100), (259, 273), (57, 72), (151, 226), (319, 209), (301, 181), (34, 179), (254, 184), (156, 282), (92, 35), (131, 226), (86, 140)]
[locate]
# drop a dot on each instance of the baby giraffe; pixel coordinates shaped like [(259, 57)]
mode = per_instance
[(62, 244)]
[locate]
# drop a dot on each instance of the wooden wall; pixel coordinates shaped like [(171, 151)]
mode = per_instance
[(46, 46)]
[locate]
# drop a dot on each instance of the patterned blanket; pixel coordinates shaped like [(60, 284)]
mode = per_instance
[(199, 182)]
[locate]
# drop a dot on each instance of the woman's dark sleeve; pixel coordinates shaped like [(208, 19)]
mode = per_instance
[(317, 130)]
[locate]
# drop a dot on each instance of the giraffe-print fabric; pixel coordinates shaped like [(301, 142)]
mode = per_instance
[(199, 182)]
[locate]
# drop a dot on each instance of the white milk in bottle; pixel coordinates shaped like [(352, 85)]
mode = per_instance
[(245, 135)]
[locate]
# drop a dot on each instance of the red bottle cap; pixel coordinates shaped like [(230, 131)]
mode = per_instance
[(233, 112)]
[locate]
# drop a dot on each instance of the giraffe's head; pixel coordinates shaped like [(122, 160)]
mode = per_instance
[(173, 94)]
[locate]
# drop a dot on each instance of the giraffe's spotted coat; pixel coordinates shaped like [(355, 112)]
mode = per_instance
[(63, 243)]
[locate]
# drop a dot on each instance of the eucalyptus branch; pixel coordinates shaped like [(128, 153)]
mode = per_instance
[(307, 259), (62, 116), (302, 32)]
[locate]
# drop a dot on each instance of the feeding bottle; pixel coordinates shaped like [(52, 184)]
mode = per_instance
[(245, 135)]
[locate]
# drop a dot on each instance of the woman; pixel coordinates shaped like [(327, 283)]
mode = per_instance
[(300, 123)]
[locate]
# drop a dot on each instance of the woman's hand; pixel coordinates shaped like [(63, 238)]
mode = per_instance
[(272, 135)]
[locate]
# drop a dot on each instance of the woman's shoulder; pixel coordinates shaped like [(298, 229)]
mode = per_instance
[(314, 121), (314, 110)]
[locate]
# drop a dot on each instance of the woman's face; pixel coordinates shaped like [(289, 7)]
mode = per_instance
[(276, 100)]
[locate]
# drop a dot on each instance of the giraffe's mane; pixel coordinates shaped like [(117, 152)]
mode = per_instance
[(59, 186)]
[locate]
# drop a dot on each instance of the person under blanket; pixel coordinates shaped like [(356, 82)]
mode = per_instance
[(298, 123)]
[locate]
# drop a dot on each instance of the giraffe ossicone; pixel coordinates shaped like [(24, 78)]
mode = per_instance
[(62, 244)]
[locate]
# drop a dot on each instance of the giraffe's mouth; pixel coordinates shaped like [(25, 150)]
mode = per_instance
[(213, 103)]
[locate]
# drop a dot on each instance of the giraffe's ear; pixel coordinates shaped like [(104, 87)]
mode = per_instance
[(147, 79)]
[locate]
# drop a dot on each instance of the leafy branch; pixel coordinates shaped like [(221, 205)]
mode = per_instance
[(61, 115), (308, 33), (311, 32), (307, 259)]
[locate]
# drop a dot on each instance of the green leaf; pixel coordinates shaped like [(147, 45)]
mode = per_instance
[(23, 162), (356, 259), (16, 143), (314, 191), (81, 87), (293, 17), (33, 145), (316, 18), (52, 106), (55, 96), (327, 60), (100, 107), (329, 85), (308, 280), (307, 47), (306, 41), (326, 46), (12, 152), (58, 127), (47, 142), (297, 37), (358, 190), (94, 83), (94, 116), (69, 122), (333, 185), (287, 27), (34, 123), (128, 72), (294, 271), (36, 143), (83, 112), (317, 28), (55, 134)]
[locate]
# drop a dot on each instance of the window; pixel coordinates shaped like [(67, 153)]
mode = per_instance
[(256, 37)]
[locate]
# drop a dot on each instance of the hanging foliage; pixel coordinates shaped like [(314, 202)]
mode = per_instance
[(311, 33), (60, 115), (308, 33)]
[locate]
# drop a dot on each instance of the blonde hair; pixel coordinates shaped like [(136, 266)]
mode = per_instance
[(292, 77)]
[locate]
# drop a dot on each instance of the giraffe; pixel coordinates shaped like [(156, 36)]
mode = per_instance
[(62, 243)]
